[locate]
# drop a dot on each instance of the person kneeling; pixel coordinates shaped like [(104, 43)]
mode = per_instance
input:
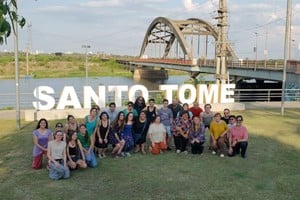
[(238, 139), (157, 135), (56, 153)]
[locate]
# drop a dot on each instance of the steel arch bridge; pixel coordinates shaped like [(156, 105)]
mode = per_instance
[(166, 31)]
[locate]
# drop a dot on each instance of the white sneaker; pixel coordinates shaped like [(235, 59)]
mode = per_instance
[(178, 151), (213, 153), (222, 155), (127, 154), (185, 152)]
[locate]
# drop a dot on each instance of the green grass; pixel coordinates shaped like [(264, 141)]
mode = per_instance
[(52, 66), (271, 170)]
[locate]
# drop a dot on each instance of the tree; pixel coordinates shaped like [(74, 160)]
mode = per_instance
[(8, 15)]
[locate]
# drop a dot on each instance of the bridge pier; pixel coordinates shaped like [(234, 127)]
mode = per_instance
[(160, 74)]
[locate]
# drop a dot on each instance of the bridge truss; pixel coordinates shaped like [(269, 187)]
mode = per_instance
[(167, 38)]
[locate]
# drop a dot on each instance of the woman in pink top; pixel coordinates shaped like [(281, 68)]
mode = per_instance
[(238, 140)]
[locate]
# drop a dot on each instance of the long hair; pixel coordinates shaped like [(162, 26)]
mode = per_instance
[(86, 136), (195, 127), (115, 123), (38, 124)]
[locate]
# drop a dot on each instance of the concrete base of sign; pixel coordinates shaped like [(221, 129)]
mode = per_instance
[(33, 115)]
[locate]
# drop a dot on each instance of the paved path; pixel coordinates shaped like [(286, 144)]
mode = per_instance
[(11, 114)]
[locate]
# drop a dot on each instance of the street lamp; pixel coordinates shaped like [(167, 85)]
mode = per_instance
[(86, 46)]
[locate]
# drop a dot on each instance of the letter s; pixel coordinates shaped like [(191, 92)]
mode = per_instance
[(41, 93)]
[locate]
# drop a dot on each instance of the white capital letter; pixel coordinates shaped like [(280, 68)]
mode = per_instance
[(192, 94), (41, 94), (118, 93), (169, 91), (208, 94), (89, 94), (132, 90), (64, 99), (226, 92)]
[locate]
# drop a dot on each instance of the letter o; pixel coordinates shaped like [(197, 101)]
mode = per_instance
[(192, 93), (134, 88)]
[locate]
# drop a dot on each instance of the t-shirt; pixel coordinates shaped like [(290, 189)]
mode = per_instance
[(157, 131), (238, 133), (57, 149), (216, 129), (165, 115), (207, 118), (43, 139)]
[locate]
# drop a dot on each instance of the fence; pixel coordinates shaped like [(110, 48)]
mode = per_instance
[(8, 100)]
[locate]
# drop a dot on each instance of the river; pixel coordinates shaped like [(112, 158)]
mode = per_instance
[(27, 85)]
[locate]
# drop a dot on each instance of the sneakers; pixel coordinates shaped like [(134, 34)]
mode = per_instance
[(185, 152), (127, 154), (213, 153), (178, 151), (222, 155)]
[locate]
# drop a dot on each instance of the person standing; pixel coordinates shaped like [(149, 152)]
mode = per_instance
[(166, 117), (196, 110), (112, 112), (151, 111), (238, 140), (57, 156), (91, 120), (139, 104), (130, 109), (101, 134), (41, 136), (140, 129), (175, 107)]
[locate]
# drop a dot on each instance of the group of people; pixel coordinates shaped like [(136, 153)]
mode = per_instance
[(137, 128)]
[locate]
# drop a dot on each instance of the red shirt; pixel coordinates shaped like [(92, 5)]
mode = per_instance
[(196, 111)]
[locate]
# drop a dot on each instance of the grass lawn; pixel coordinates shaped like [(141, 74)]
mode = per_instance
[(271, 170)]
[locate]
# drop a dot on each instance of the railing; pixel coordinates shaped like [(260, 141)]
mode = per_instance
[(251, 64), (7, 101)]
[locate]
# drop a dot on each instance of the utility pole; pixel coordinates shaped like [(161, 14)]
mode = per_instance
[(256, 42), (28, 48), (286, 49), (86, 46), (221, 45), (16, 50), (266, 49), (290, 41)]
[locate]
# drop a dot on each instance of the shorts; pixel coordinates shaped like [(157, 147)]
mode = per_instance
[(168, 131)]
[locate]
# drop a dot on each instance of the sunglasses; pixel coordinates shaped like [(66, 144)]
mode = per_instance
[(59, 126), (239, 120)]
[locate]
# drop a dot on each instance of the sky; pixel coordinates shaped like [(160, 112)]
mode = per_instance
[(119, 26)]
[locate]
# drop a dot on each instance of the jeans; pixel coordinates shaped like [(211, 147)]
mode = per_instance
[(91, 159), (240, 147), (58, 172), (197, 148)]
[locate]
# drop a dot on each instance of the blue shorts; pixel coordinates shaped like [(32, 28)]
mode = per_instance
[(168, 131)]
